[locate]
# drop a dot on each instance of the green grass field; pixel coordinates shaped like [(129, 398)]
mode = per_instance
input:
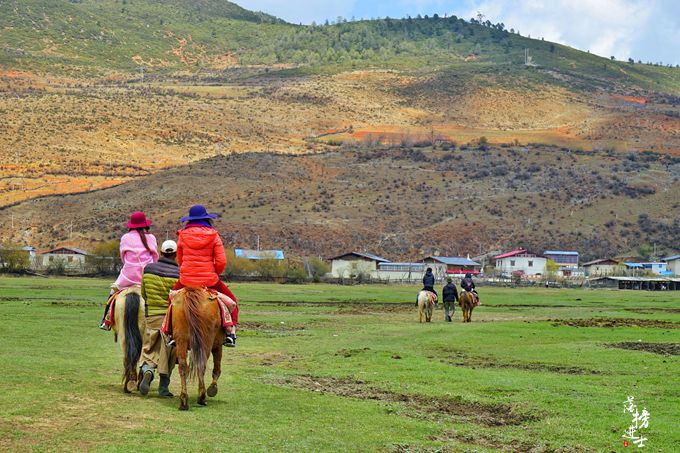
[(349, 368)]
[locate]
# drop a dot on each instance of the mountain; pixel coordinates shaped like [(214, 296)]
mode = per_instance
[(403, 203), (136, 95)]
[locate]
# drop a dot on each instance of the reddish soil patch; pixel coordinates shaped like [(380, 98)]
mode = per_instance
[(632, 99), (656, 348), (419, 405), (615, 322)]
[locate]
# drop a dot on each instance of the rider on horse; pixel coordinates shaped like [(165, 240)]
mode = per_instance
[(428, 283), (137, 249), (468, 285), (201, 259)]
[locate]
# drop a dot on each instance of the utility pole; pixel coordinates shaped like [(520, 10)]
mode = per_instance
[(258, 242)]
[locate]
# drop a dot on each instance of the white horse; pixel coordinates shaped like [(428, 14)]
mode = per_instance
[(426, 301)]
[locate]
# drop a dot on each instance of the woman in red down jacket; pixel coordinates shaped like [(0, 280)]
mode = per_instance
[(201, 258)]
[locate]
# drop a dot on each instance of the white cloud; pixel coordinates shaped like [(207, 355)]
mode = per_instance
[(605, 27)]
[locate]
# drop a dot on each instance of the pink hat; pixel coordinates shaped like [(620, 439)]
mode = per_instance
[(138, 220)]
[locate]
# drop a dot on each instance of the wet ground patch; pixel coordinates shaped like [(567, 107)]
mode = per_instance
[(652, 310), (656, 348), (615, 322), (459, 358), (419, 406), (351, 352), (270, 329), (350, 307)]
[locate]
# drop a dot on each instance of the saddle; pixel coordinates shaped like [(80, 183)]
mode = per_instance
[(225, 303), (110, 319)]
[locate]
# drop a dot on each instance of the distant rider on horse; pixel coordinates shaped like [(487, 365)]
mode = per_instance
[(468, 285), (428, 283)]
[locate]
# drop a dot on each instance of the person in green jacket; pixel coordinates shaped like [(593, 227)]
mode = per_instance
[(157, 281)]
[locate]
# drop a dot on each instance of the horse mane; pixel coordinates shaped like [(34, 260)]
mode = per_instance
[(200, 325)]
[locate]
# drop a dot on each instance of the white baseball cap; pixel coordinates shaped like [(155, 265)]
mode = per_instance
[(169, 246)]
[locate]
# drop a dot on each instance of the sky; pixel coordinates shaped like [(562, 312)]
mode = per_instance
[(647, 30)]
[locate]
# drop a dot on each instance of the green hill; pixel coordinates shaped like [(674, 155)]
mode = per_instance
[(95, 37)]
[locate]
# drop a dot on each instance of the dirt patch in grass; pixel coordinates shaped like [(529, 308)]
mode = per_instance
[(654, 310), (615, 322), (351, 307), (656, 348), (486, 414), (351, 352), (270, 329), (265, 327), (459, 358)]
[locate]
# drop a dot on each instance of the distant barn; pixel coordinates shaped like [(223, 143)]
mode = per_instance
[(637, 283)]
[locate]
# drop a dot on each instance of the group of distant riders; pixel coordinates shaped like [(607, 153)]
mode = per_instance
[(196, 259), (449, 291)]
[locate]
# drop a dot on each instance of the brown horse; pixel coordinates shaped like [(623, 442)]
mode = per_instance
[(467, 302), (196, 327), (129, 325)]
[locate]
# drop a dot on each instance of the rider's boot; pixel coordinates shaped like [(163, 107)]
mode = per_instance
[(163, 386), (230, 340), (102, 323), (147, 377)]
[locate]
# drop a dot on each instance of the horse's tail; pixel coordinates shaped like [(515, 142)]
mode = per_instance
[(199, 325), (133, 337)]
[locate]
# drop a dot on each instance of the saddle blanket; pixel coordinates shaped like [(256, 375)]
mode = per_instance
[(110, 319)]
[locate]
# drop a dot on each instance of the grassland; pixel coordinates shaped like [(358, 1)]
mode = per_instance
[(330, 368)]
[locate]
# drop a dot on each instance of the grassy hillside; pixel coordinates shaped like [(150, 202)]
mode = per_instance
[(97, 37), (402, 202)]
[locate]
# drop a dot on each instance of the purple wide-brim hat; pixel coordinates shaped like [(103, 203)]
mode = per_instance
[(198, 212)]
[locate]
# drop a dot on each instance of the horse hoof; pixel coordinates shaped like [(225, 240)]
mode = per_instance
[(130, 386), (202, 403), (183, 407), (212, 390)]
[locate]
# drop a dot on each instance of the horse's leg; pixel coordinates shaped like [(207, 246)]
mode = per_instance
[(201, 385), (126, 377), (182, 360), (217, 369)]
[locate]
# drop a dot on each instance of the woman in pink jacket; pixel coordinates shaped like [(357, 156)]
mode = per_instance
[(137, 249)]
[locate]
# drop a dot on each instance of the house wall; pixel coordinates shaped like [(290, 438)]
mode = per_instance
[(521, 263), (346, 268), (69, 261), (674, 266), (601, 269)]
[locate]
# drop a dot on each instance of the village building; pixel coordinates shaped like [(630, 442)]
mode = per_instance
[(354, 264), (520, 262), (68, 258), (443, 266), (673, 264), (602, 267), (400, 272), (636, 283), (259, 254), (658, 268)]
